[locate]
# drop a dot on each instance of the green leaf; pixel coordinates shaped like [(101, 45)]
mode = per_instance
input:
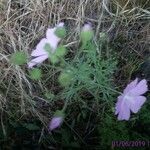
[(18, 58), (60, 32), (47, 48), (86, 36), (59, 113), (36, 74), (65, 78), (60, 51), (49, 95), (54, 59), (52, 56)]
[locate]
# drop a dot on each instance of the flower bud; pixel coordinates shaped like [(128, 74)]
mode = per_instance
[(55, 123), (60, 30), (56, 120), (65, 78), (86, 33)]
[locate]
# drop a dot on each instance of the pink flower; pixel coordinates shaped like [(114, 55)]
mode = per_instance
[(55, 122), (87, 27), (131, 99), (40, 53)]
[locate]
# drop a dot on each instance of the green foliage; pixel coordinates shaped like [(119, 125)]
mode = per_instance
[(65, 78), (18, 58), (145, 114), (54, 59), (65, 138), (47, 48), (90, 73), (58, 54), (35, 74), (86, 36), (60, 51), (60, 32), (55, 56), (83, 82), (67, 141), (141, 125), (49, 95), (59, 113), (19, 134), (112, 130), (83, 85)]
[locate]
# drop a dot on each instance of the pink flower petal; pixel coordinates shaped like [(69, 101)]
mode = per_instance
[(137, 103), (61, 24), (130, 86), (87, 27), (40, 48), (122, 109), (140, 89), (40, 52), (53, 39), (55, 123), (118, 105), (131, 100), (124, 114), (37, 60)]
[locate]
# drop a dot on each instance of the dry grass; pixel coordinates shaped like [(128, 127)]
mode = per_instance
[(24, 22)]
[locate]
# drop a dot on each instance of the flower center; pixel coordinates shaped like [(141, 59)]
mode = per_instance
[(128, 97)]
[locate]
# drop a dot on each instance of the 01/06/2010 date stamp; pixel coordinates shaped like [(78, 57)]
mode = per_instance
[(129, 144)]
